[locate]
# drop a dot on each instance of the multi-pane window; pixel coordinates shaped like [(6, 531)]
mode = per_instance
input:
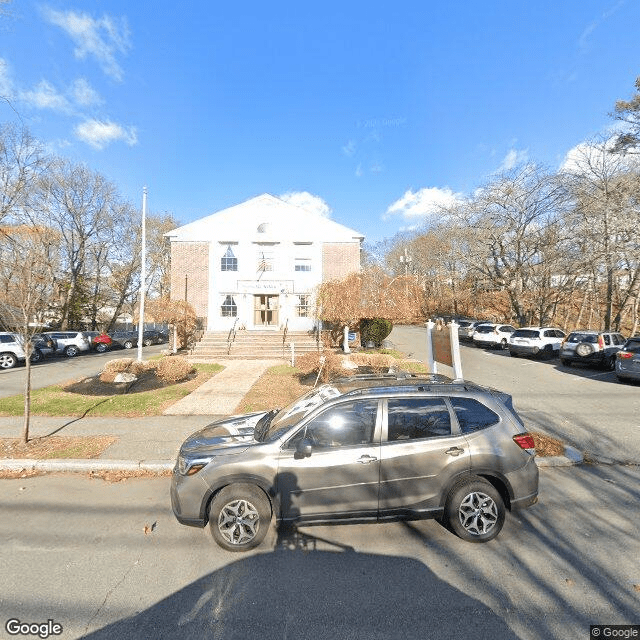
[(229, 262), (303, 309), (265, 260), (302, 264), (229, 308)]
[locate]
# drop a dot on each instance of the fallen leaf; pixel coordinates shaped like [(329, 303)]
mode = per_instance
[(149, 529), (636, 587), (569, 582)]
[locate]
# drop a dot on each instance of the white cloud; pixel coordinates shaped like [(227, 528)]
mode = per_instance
[(84, 94), (349, 149), (100, 134), (6, 81), (423, 202), (513, 158), (589, 156), (45, 96), (308, 202), (102, 39)]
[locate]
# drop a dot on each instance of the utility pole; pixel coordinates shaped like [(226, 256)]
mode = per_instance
[(143, 274)]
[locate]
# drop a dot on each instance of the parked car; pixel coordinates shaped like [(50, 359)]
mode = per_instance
[(152, 336), (124, 339), (628, 360), (536, 341), (42, 347), (591, 347), (493, 335), (11, 350), (102, 342), (366, 448), (465, 333), (69, 343)]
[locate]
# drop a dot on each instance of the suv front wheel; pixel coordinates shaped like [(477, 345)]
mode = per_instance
[(7, 360), (474, 510), (71, 351), (239, 517)]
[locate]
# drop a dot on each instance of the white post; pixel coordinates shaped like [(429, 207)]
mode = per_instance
[(143, 274), (455, 352), (431, 363), (345, 343)]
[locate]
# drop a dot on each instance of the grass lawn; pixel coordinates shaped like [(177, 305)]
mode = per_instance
[(59, 400)]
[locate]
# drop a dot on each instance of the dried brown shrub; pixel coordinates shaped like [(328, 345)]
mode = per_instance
[(309, 363), (118, 366), (376, 361), (174, 369)]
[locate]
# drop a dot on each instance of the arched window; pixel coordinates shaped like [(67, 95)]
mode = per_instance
[(229, 308), (229, 262)]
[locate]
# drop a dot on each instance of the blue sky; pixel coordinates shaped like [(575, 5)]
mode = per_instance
[(367, 111)]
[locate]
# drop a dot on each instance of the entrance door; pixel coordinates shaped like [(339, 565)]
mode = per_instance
[(265, 311)]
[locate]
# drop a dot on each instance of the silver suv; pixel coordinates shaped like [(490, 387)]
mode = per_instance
[(366, 448), (591, 347)]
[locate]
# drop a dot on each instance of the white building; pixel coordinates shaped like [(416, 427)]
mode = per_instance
[(257, 265)]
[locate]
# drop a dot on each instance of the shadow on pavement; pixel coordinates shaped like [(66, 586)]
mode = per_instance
[(298, 591)]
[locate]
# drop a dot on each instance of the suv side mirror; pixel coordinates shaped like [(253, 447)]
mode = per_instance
[(304, 447)]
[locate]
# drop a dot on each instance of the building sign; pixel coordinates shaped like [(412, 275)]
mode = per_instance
[(265, 286)]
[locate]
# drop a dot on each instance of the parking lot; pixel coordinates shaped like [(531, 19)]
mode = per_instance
[(587, 408)]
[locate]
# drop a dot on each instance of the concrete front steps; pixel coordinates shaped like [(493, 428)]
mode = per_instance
[(252, 345)]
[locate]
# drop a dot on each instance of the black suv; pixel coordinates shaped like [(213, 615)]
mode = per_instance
[(365, 448)]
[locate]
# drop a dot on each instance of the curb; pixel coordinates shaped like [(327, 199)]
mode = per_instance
[(571, 457), (85, 466)]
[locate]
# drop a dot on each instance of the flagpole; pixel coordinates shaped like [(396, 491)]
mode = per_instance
[(143, 273)]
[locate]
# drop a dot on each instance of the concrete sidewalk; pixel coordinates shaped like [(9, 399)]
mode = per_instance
[(143, 443), (152, 443)]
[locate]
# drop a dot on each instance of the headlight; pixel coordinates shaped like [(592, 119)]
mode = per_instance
[(191, 466)]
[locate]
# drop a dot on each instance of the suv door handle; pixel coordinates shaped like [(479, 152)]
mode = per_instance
[(454, 451), (366, 459)]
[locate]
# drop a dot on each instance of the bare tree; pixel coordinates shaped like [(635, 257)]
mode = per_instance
[(159, 254), (628, 112), (26, 275), (605, 221)]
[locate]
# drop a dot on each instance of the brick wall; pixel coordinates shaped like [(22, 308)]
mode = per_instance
[(339, 259), (191, 259)]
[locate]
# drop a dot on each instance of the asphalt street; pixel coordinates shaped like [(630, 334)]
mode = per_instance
[(586, 408), (108, 560)]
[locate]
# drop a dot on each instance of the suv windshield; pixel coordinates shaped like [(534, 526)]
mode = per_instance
[(526, 333), (583, 337)]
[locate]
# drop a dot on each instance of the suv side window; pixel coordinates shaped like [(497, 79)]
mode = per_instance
[(473, 415), (413, 418), (607, 339), (7, 339), (347, 424)]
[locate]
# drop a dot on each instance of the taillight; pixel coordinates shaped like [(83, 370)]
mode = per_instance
[(524, 441), (624, 355), (601, 342)]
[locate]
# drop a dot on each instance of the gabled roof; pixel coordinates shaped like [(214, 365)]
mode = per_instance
[(265, 218)]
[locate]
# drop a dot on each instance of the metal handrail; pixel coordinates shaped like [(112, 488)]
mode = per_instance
[(232, 336), (284, 335)]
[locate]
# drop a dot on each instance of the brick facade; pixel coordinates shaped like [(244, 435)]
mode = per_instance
[(339, 259), (191, 259)]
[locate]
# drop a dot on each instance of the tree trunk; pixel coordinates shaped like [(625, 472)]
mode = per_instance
[(27, 395)]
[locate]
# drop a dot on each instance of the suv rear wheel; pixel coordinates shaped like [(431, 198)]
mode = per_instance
[(101, 347), (71, 351), (474, 510), (239, 517), (128, 344)]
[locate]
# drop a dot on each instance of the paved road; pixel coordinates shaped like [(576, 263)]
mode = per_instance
[(75, 551), (60, 369), (587, 408)]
